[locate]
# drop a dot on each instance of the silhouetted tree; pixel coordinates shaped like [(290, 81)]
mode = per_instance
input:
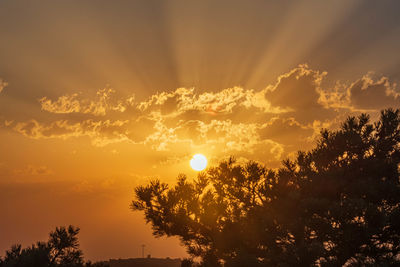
[(337, 204), (187, 263), (64, 247), (62, 250)]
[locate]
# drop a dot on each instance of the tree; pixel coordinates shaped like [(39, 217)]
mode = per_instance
[(336, 204), (187, 263), (62, 249)]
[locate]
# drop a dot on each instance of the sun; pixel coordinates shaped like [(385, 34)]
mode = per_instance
[(198, 162)]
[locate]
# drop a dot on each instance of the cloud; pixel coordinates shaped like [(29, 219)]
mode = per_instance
[(161, 137), (336, 97), (3, 84), (103, 103), (284, 130), (186, 104), (100, 132), (299, 92), (369, 94), (233, 136), (31, 169), (218, 137), (274, 122), (297, 89)]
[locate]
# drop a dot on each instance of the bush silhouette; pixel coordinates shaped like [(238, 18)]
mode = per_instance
[(336, 204), (187, 263)]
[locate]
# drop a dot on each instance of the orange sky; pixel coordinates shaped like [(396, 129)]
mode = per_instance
[(97, 97)]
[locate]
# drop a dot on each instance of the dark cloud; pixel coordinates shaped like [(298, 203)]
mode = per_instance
[(298, 93), (285, 131), (368, 94), (296, 90)]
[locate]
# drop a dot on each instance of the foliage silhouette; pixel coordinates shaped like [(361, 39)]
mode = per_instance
[(336, 204), (61, 250), (187, 263)]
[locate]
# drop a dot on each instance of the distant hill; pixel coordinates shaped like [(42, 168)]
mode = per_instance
[(145, 262)]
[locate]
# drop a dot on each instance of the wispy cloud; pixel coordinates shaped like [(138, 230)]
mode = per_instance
[(100, 132), (32, 169), (103, 102)]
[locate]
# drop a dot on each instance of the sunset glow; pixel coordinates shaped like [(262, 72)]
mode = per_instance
[(99, 97)]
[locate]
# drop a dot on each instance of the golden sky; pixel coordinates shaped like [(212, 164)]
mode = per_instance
[(97, 97)]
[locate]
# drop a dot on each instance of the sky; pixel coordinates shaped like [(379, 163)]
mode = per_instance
[(97, 97)]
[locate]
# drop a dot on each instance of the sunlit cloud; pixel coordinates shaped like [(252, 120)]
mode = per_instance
[(226, 101), (100, 132), (239, 121), (99, 106)]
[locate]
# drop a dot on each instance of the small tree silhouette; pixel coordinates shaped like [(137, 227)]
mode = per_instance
[(64, 247), (61, 250), (337, 204)]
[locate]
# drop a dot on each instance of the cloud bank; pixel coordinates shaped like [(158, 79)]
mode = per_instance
[(273, 122)]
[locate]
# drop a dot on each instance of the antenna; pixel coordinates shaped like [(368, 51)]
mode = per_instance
[(143, 250)]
